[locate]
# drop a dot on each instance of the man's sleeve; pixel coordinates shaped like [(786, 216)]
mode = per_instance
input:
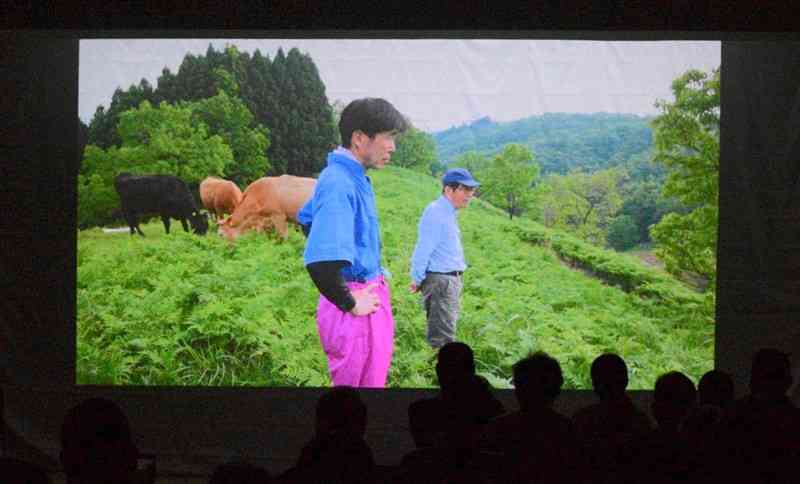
[(327, 276), (429, 232), (331, 237), (304, 216)]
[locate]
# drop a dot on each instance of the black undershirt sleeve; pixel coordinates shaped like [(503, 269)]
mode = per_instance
[(328, 278)]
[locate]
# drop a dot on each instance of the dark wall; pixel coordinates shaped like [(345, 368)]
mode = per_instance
[(759, 266)]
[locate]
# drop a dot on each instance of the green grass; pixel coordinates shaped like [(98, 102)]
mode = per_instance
[(180, 309)]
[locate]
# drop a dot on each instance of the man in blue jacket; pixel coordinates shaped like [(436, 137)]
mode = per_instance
[(343, 249)]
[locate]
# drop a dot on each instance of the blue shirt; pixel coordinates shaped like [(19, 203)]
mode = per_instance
[(344, 220), (438, 246)]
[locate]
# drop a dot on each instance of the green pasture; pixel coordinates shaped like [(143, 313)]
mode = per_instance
[(182, 309)]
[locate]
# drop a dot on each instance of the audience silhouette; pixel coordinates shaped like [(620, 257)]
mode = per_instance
[(96, 444), (464, 435), (540, 443), (716, 388), (763, 430), (607, 426), (337, 453), (446, 429), (463, 397)]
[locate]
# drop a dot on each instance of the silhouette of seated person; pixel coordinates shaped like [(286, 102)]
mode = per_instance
[(446, 428), (462, 394), (764, 427), (239, 472), (337, 453), (14, 471), (540, 443), (96, 444), (664, 454), (604, 427)]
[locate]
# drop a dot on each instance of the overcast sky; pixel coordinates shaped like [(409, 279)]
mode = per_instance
[(437, 83)]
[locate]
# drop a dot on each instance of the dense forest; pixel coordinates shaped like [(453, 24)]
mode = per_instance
[(561, 141)]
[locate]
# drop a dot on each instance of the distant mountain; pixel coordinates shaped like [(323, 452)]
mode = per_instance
[(560, 141)]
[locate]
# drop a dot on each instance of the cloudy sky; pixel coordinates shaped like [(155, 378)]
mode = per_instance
[(438, 83)]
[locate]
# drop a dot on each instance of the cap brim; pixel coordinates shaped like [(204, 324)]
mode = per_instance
[(471, 183)]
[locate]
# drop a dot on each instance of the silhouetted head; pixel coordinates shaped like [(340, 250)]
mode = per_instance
[(341, 410), (715, 388), (454, 362), (609, 376), (14, 470), (199, 222), (537, 380), (96, 443), (771, 373), (239, 472), (674, 397)]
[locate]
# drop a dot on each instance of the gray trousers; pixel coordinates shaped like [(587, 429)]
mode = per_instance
[(441, 298)]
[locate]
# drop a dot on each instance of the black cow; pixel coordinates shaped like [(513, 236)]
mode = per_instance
[(165, 195)]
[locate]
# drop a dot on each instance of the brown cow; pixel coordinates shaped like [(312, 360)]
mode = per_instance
[(220, 196), (268, 203)]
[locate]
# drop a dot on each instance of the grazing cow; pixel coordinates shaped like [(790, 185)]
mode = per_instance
[(268, 203), (220, 196), (165, 195)]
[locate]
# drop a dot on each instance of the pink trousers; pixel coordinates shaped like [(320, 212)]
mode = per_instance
[(359, 348)]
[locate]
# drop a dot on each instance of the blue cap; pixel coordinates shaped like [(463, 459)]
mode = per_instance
[(459, 175)]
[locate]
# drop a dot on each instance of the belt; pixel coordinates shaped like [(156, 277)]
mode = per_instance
[(451, 273)]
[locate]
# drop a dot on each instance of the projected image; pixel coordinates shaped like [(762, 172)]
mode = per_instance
[(515, 195)]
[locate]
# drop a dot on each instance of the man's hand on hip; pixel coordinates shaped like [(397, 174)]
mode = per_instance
[(366, 301)]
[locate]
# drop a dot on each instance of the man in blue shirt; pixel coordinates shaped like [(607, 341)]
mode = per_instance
[(438, 260), (343, 250)]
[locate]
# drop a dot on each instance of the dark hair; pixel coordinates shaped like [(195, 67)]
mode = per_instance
[(538, 375), (456, 355), (675, 388), (716, 388), (453, 185), (341, 408), (609, 374), (372, 116)]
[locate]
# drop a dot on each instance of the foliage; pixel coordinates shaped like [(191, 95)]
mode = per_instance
[(229, 118), (507, 180), (581, 203), (623, 233), (415, 149), (196, 310), (169, 140), (686, 138), (562, 142), (285, 95), (472, 161)]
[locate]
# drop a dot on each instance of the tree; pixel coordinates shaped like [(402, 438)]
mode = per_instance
[(472, 161), (169, 140), (686, 136), (416, 150), (622, 233), (507, 181), (581, 203), (229, 118)]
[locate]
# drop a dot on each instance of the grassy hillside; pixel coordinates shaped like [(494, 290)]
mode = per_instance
[(181, 309)]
